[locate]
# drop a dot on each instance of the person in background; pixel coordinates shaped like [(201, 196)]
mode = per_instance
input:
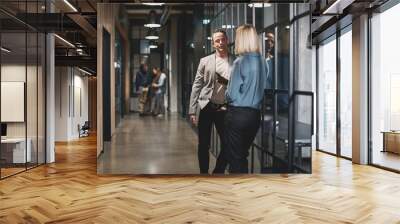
[(158, 85), (150, 93), (269, 57), (268, 118), (208, 95), (141, 87), (244, 96)]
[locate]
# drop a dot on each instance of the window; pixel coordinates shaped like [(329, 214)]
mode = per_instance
[(327, 96), (385, 88), (346, 94)]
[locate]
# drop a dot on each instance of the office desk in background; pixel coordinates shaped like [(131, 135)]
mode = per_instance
[(13, 150), (391, 141)]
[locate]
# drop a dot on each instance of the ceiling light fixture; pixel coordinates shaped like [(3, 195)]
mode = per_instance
[(154, 3), (5, 50), (153, 21), (84, 71), (228, 26), (259, 5), (65, 41), (153, 45), (70, 5), (206, 21), (334, 7), (152, 35)]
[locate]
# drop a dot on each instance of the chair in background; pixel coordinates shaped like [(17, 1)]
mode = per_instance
[(84, 130)]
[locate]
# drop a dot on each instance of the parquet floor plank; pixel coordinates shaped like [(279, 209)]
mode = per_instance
[(70, 191)]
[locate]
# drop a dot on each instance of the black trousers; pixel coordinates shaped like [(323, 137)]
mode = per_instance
[(209, 115), (241, 126)]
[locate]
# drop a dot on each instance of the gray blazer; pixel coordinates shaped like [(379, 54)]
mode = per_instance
[(203, 84)]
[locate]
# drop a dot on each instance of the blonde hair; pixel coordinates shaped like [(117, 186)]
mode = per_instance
[(246, 40)]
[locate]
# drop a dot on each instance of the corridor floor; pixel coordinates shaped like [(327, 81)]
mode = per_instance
[(151, 145)]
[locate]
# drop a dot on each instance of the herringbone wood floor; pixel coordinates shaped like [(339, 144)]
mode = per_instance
[(70, 191)]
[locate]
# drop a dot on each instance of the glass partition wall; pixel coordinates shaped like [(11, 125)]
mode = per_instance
[(22, 87)]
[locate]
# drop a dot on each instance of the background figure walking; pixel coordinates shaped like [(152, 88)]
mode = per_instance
[(158, 86), (141, 87)]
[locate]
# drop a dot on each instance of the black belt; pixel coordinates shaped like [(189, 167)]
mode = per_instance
[(216, 106)]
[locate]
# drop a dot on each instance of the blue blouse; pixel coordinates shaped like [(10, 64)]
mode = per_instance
[(247, 81)]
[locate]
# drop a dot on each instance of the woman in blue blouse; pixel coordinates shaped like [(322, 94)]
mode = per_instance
[(244, 96)]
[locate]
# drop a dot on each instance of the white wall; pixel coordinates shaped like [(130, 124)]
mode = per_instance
[(33, 125), (17, 73), (71, 94)]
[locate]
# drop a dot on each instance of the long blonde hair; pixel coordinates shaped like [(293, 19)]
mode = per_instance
[(246, 40)]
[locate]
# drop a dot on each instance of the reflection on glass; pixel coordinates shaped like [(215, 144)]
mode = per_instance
[(304, 55), (303, 132), (258, 14), (41, 99), (283, 68), (249, 14), (327, 97), (118, 77), (281, 128), (385, 85), (269, 13), (346, 94), (31, 100)]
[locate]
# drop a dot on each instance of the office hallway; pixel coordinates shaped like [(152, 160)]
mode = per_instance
[(151, 145)]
